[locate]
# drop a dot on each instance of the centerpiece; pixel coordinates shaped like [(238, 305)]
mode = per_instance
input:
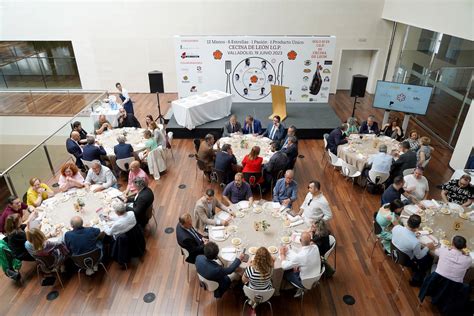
[(261, 226)]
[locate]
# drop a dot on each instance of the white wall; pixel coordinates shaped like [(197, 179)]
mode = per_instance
[(453, 17), (353, 62), (465, 142), (124, 40)]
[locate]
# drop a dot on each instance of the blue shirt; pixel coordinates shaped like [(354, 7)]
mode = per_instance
[(282, 192), (405, 240), (236, 194), (381, 162), (390, 194), (82, 240)]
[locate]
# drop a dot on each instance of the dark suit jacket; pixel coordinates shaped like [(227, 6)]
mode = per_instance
[(336, 138), (123, 151), (277, 162), (224, 163), (74, 149), (406, 161), (92, 152), (279, 134), (187, 241), (129, 121), (212, 271), (364, 128), (257, 127), (291, 152), (141, 202), (228, 129)]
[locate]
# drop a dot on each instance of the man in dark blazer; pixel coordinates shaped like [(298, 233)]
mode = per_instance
[(142, 201), (92, 152), (336, 138), (127, 120), (291, 151), (233, 126), (122, 150), (212, 271), (407, 160), (369, 126), (189, 238), (252, 126), (290, 132), (73, 147), (275, 130), (278, 161), (77, 127), (225, 160)]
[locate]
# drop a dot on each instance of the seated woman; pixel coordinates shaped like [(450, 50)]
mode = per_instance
[(393, 130), (158, 134), (135, 172), (413, 141), (150, 144), (38, 245), (424, 153), (70, 177), (258, 274), (387, 217), (102, 125), (37, 192), (148, 120), (252, 163), (16, 236), (353, 126), (320, 236)]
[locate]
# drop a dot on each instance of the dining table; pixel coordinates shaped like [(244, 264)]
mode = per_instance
[(243, 143)]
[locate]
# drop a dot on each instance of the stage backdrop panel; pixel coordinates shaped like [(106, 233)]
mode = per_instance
[(246, 66)]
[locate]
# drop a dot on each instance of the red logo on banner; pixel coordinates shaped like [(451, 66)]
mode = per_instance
[(292, 55), (254, 79), (217, 54)]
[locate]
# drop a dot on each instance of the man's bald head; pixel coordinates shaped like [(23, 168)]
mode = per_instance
[(75, 135), (305, 238), (76, 222)]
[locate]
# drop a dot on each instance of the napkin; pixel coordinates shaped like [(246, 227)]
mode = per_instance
[(217, 228), (426, 239), (223, 216), (293, 218), (295, 237), (423, 232), (411, 209), (298, 222), (112, 192), (49, 201), (228, 250), (218, 234), (428, 203)]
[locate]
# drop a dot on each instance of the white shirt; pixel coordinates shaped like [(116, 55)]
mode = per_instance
[(125, 94), (405, 240), (315, 208), (121, 224), (421, 186), (381, 162), (307, 260)]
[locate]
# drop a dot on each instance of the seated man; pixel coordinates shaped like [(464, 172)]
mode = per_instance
[(141, 201), (406, 160), (237, 191), (102, 125), (127, 120), (231, 127), (285, 191), (404, 238), (92, 151), (77, 127), (394, 191), (290, 132), (369, 126), (73, 147), (80, 239), (188, 238), (134, 172), (212, 271), (122, 222), (458, 191), (207, 154), (382, 161), (14, 206), (278, 161), (337, 137), (252, 126), (301, 265), (315, 205), (205, 212), (275, 130), (122, 150), (291, 151), (226, 162), (100, 175), (416, 187)]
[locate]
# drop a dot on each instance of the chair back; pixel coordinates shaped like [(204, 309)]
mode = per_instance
[(333, 158), (400, 257), (252, 178), (208, 285), (378, 177), (291, 164), (197, 144), (377, 228), (426, 162), (87, 163), (185, 253), (149, 212), (408, 171), (170, 139), (124, 163), (46, 263), (311, 282), (217, 176), (87, 260), (332, 243), (348, 170), (325, 139), (201, 164), (258, 296)]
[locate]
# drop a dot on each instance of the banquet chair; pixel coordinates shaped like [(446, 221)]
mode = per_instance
[(258, 296), (124, 163), (88, 261), (402, 259), (252, 179), (217, 176), (332, 243), (377, 230), (87, 164), (150, 213), (309, 284), (275, 177), (335, 161), (350, 172), (185, 254), (325, 140), (408, 171), (48, 264), (208, 285), (426, 162), (170, 142), (197, 144)]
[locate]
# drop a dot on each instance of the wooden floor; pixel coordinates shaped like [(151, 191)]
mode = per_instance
[(371, 281)]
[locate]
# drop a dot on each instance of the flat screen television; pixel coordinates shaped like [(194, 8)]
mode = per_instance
[(402, 97)]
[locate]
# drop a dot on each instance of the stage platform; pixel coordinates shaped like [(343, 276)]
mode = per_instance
[(312, 120)]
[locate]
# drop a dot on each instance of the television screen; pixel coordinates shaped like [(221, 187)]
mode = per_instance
[(402, 97)]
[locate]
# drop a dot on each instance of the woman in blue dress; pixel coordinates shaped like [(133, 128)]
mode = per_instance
[(126, 101)]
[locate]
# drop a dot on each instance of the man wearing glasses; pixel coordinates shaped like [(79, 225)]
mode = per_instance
[(315, 205)]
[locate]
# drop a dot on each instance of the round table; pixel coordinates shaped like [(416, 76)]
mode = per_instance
[(242, 144), (133, 136), (110, 114), (362, 146), (243, 227)]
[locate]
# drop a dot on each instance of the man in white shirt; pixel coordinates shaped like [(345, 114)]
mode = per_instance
[(301, 265), (315, 206), (382, 161), (122, 223), (416, 186), (100, 175), (404, 238)]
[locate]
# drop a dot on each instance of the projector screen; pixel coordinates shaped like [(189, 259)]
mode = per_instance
[(402, 97)]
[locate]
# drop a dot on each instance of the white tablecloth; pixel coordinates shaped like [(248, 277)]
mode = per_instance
[(242, 144), (134, 137), (202, 108), (110, 115)]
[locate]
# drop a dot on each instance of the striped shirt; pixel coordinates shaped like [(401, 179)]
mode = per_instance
[(257, 281)]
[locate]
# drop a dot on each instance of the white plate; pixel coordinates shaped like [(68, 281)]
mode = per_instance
[(273, 250), (243, 204), (236, 241)]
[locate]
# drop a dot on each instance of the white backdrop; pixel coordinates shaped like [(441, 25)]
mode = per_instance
[(247, 66)]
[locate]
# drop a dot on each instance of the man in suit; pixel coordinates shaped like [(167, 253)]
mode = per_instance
[(122, 150), (212, 271), (91, 151), (73, 147), (207, 154), (77, 127), (291, 151), (142, 201), (205, 211), (231, 127), (290, 132), (278, 161), (127, 119), (336, 138), (188, 238), (369, 126), (80, 239), (275, 130), (407, 160), (252, 126), (226, 162)]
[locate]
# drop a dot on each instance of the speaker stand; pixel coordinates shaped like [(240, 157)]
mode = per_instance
[(354, 106), (160, 117)]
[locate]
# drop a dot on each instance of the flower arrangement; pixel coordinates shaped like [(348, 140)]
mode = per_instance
[(261, 226)]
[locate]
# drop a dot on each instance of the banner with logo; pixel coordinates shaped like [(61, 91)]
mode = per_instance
[(247, 66)]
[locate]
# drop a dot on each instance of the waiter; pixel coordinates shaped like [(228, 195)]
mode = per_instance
[(126, 101)]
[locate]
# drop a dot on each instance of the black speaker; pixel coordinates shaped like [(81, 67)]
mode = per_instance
[(156, 81), (358, 85)]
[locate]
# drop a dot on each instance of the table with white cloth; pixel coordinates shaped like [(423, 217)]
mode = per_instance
[(133, 136), (242, 145), (110, 114), (201, 108), (458, 173), (363, 146), (241, 233)]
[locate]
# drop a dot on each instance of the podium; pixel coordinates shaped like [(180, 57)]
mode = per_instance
[(278, 101)]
